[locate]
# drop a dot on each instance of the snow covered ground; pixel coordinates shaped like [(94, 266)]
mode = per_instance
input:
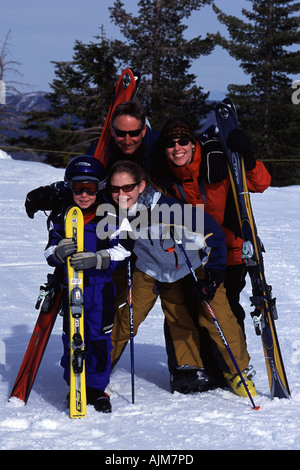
[(158, 420)]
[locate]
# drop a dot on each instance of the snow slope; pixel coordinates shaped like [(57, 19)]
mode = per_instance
[(158, 420)]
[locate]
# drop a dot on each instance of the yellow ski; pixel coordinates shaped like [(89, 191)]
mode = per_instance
[(74, 228)]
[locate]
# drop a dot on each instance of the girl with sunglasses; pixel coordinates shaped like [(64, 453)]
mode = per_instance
[(85, 180), (161, 270)]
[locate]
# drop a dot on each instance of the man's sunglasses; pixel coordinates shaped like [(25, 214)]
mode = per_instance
[(182, 142), (89, 187), (120, 133), (126, 188)]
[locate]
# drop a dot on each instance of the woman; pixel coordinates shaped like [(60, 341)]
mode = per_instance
[(196, 173), (159, 261), (85, 180)]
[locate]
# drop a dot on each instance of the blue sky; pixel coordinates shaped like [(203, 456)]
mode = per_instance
[(44, 31)]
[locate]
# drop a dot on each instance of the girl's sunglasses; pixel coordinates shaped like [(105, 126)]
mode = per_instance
[(126, 188), (89, 187), (120, 133), (182, 142)]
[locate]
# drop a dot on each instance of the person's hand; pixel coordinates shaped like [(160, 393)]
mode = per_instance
[(206, 288), (84, 260), (239, 142), (88, 260), (65, 248), (38, 199)]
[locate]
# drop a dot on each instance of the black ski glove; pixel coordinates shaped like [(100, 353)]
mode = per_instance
[(206, 288), (239, 142), (214, 163), (45, 198), (66, 247)]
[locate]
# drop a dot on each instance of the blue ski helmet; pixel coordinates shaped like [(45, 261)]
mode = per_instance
[(85, 168)]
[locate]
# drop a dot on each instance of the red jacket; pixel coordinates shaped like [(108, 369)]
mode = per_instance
[(215, 196)]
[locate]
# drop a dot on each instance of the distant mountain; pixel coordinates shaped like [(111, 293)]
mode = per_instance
[(18, 104), (27, 102)]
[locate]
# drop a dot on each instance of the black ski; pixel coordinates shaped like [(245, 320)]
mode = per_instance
[(265, 311)]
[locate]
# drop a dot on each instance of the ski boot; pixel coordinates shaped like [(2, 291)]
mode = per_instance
[(187, 379), (99, 399), (235, 383)]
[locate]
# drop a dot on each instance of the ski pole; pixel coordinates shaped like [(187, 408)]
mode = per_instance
[(254, 407), (131, 328)]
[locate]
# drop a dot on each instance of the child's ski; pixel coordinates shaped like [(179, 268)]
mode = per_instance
[(74, 228)]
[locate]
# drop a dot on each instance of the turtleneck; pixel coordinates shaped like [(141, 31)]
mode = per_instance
[(89, 214)]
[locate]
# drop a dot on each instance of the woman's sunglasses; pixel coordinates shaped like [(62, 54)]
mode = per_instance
[(182, 142), (126, 188), (120, 133)]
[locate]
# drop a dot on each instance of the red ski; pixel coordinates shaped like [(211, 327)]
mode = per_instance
[(51, 301), (125, 91)]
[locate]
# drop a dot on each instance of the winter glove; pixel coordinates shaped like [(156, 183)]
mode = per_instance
[(88, 260), (66, 247), (206, 288), (239, 142), (38, 199), (214, 164), (45, 198)]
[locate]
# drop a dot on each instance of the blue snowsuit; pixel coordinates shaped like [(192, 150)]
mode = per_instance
[(99, 294)]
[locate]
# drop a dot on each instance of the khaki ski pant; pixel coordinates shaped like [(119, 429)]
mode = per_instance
[(183, 331)]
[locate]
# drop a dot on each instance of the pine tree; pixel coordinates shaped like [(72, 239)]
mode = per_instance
[(155, 46), (80, 96), (264, 46)]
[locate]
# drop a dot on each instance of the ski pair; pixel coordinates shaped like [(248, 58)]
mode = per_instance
[(126, 89), (252, 252)]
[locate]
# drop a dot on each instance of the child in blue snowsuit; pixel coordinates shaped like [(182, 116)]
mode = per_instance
[(85, 178)]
